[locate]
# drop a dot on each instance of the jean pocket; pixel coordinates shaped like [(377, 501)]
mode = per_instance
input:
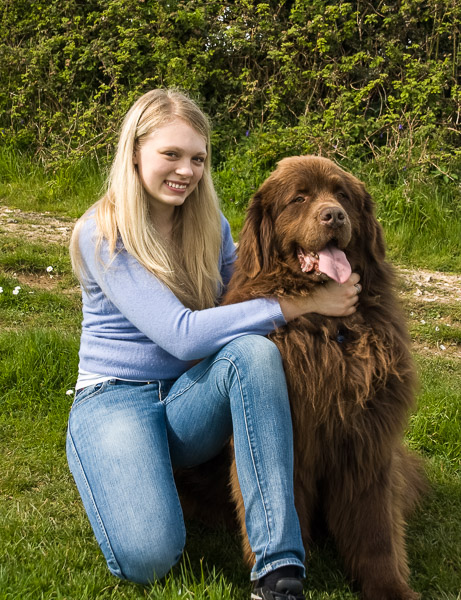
[(86, 393)]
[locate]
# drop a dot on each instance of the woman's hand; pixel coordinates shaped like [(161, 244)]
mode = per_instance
[(331, 299)]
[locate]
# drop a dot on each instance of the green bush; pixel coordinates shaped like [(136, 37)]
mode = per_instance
[(366, 79)]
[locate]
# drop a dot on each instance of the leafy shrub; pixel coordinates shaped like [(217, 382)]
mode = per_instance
[(364, 78)]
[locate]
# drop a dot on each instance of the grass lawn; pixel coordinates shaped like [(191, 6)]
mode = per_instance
[(47, 549)]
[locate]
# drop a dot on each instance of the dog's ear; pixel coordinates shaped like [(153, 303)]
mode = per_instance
[(372, 233), (256, 245)]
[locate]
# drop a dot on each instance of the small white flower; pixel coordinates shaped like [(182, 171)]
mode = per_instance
[(1, 290), (442, 347), (437, 328), (423, 322), (49, 269), (70, 393), (16, 290)]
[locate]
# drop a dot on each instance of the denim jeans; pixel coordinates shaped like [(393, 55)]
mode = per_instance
[(124, 438)]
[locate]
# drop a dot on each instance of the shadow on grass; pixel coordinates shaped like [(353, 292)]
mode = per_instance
[(433, 543)]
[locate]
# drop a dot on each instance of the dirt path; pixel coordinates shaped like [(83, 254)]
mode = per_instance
[(40, 227), (431, 286)]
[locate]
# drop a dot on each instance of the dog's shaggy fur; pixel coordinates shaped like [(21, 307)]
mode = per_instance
[(351, 380)]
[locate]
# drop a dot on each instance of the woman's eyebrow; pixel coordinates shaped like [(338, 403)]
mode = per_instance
[(181, 149)]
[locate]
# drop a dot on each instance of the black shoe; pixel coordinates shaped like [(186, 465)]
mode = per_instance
[(288, 588)]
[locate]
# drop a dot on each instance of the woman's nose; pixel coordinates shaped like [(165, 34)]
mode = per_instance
[(184, 169)]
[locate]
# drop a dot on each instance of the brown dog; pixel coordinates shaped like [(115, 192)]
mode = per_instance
[(351, 380)]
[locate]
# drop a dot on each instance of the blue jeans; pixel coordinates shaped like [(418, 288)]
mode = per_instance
[(124, 439)]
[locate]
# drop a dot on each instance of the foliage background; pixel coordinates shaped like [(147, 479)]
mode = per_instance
[(358, 79)]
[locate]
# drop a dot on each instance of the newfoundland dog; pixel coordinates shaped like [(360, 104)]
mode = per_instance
[(351, 380)]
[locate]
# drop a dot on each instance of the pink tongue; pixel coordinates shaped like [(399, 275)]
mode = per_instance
[(333, 262)]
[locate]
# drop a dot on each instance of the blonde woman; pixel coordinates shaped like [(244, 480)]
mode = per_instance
[(153, 256)]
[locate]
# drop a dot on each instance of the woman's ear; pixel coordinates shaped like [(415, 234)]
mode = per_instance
[(135, 158)]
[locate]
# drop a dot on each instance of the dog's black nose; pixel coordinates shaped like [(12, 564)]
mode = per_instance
[(333, 216)]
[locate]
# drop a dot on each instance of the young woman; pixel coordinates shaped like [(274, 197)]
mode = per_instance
[(153, 256)]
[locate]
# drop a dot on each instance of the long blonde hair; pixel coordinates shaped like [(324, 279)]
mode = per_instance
[(189, 265)]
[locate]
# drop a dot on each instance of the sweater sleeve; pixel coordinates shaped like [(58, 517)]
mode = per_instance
[(153, 309)]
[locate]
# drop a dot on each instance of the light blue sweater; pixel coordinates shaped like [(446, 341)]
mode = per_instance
[(135, 328)]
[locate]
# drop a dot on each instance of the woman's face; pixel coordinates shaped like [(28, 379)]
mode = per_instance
[(170, 164)]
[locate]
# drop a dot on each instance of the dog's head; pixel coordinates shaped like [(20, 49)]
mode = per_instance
[(312, 217)]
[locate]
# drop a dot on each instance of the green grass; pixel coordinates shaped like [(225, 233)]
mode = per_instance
[(435, 429), (438, 324), (47, 548), (36, 307), (18, 254), (68, 190)]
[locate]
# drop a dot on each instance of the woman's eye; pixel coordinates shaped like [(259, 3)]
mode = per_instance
[(199, 159)]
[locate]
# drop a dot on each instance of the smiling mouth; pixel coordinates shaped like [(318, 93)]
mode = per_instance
[(176, 186)]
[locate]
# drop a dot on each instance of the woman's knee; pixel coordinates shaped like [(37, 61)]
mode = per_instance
[(149, 561), (257, 349)]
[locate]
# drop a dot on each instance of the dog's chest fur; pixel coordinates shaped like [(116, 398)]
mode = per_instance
[(337, 369)]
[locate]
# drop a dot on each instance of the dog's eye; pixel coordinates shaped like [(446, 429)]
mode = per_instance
[(299, 199), (342, 196)]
